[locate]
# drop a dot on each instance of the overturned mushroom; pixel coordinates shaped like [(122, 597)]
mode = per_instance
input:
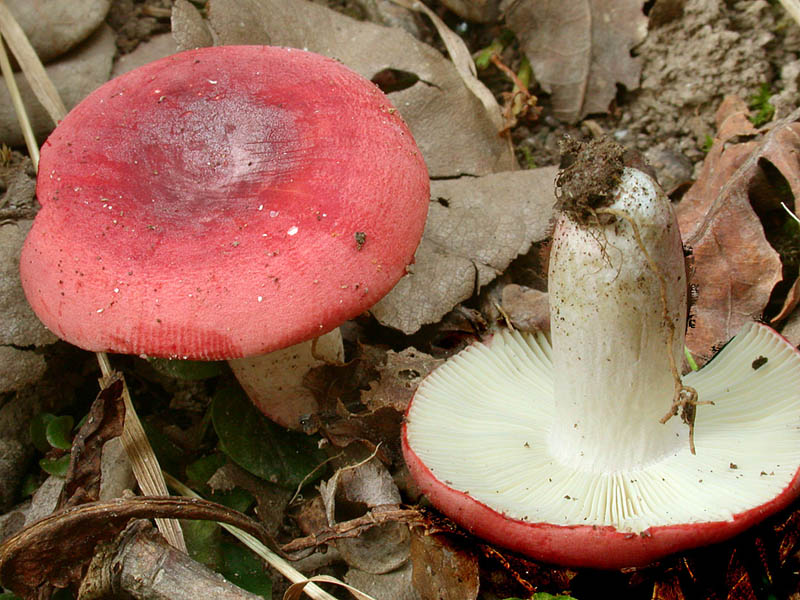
[(560, 451)]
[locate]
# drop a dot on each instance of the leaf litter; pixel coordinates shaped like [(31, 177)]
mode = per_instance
[(479, 224)]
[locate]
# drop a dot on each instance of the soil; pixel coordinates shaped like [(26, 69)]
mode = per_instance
[(696, 53), (590, 172)]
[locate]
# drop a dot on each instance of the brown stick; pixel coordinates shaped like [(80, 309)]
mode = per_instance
[(140, 564)]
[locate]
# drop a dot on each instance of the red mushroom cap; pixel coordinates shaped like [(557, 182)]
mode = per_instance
[(220, 203)]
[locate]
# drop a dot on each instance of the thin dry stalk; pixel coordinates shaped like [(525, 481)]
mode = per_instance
[(143, 459), (31, 66), (793, 8), (276, 562)]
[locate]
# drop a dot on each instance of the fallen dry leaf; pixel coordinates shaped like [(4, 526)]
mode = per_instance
[(580, 50), (399, 379), (367, 486), (528, 309), (395, 585), (427, 106), (104, 422), (441, 569), (735, 268), (295, 591), (462, 60), (475, 228), (668, 588)]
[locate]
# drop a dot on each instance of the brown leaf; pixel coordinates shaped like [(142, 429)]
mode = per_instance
[(527, 309), (735, 268), (475, 228), (789, 536), (373, 429), (738, 582), (36, 555), (399, 379), (791, 302), (427, 106), (104, 422), (441, 570), (580, 50)]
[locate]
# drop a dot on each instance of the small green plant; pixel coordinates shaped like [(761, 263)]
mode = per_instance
[(527, 161), (759, 103), (708, 142), (52, 435)]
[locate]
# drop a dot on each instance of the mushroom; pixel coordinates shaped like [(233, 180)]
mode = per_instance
[(561, 450), (220, 203)]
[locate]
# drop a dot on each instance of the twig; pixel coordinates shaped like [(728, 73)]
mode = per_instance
[(140, 564), (352, 528), (275, 561)]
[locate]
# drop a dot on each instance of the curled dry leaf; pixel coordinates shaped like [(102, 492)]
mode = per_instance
[(369, 485), (342, 418), (462, 59), (475, 228), (735, 268), (428, 105), (104, 422), (580, 50), (295, 590)]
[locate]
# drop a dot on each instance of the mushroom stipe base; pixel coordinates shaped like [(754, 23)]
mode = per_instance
[(506, 487)]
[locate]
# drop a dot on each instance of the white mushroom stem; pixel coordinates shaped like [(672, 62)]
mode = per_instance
[(609, 294)]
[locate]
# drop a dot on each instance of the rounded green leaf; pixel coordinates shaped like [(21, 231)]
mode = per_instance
[(241, 567), (38, 429), (256, 444), (55, 466), (59, 432)]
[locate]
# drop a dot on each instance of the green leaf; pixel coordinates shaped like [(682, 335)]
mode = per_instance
[(759, 103), (238, 499), (38, 429), (59, 432), (29, 485), (187, 370), (708, 143), (170, 456), (55, 466), (241, 567), (9, 596), (201, 470), (203, 542), (256, 444)]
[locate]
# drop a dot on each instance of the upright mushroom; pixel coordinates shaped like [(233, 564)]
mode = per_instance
[(560, 451), (220, 203)]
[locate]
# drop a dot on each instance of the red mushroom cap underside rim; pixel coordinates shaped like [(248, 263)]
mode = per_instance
[(603, 546), (582, 545)]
